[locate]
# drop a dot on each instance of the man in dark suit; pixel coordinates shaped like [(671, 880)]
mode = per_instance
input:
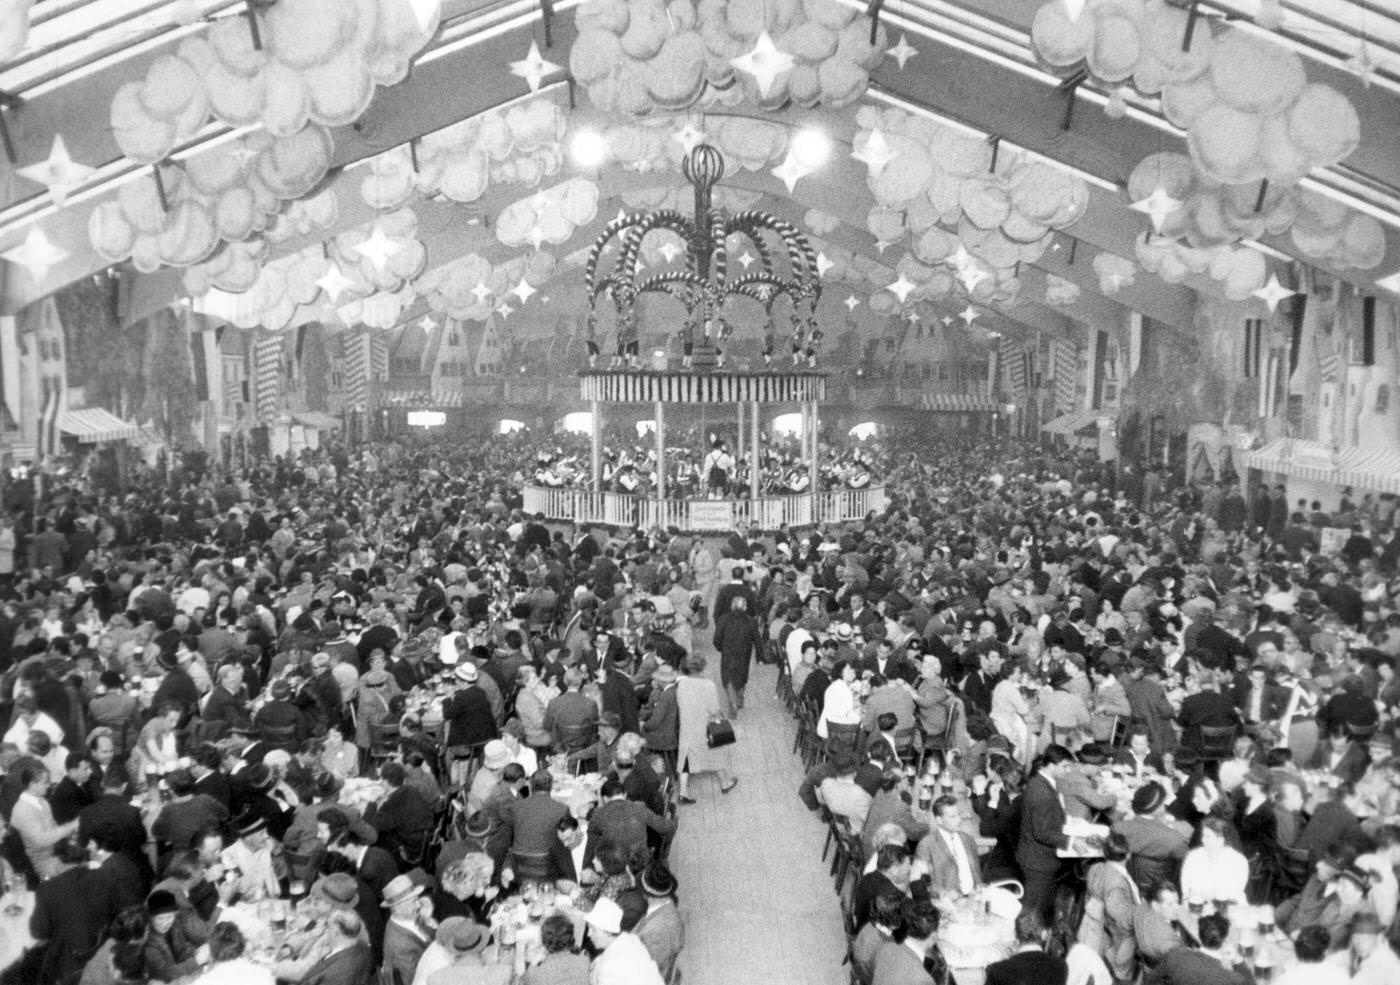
[(570, 861), (1184, 965), (533, 824), (896, 963), (405, 818), (467, 713), (1030, 965), (1042, 830), (69, 918), (639, 780), (209, 778), (890, 877), (347, 960), (1207, 707), (625, 823), (977, 685), (1259, 700), (72, 793), (114, 814), (1137, 755)]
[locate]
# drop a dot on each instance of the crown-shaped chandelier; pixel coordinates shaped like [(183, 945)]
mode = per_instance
[(701, 278)]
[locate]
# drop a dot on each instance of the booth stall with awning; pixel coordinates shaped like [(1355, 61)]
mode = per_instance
[(94, 425), (1372, 470)]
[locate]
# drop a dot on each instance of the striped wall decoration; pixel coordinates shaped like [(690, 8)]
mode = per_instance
[(702, 388), (1013, 368), (267, 364), (378, 357), (357, 364), (1066, 366)]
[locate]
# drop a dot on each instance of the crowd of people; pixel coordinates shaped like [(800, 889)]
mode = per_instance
[(368, 683)]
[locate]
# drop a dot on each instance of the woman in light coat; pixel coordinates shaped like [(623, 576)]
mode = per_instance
[(697, 700)]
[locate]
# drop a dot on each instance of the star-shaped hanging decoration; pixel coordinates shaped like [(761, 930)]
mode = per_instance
[(972, 275), (523, 290), (1390, 283), (874, 152), (334, 282), (1272, 293), (427, 323), (902, 52), (59, 173), (1074, 8), (901, 288), (504, 309), (1157, 206), (960, 258), (378, 248), (765, 63), (947, 320), (481, 292), (669, 250), (37, 254), (968, 315), (746, 260), (1362, 65), (689, 137), (852, 303), (823, 264), (533, 68), (881, 245), (790, 172)]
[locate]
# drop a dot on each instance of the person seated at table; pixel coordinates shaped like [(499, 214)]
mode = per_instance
[(570, 861), (1205, 964), (1077, 787), (1030, 964), (1347, 897), (127, 931), (1209, 801), (882, 735), (1372, 959), (1064, 714), (1110, 705), (403, 819), (639, 779), (32, 817), (888, 695), (495, 758), (250, 861), (891, 805), (1243, 756), (1206, 708), (227, 947), (1157, 926), (1214, 871), (533, 825), (1310, 951), (1011, 712), (840, 793), (622, 822), (465, 889), (1157, 842), (886, 923), (1333, 820), (572, 713), (1137, 755), (998, 808), (622, 957), (562, 964), (839, 705), (1343, 755), (1255, 818), (949, 853), (598, 756), (1085, 966), (892, 874), (1349, 708), (1306, 907), (346, 957), (408, 930), (913, 956), (170, 954)]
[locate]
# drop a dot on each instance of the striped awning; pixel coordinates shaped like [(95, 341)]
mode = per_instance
[(319, 420), (958, 403), (427, 399), (643, 387), (22, 451), (1075, 420), (1373, 470), (93, 425)]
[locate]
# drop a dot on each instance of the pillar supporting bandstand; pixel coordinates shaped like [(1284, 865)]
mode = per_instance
[(684, 388)]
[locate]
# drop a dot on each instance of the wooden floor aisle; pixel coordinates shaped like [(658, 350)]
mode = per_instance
[(758, 903)]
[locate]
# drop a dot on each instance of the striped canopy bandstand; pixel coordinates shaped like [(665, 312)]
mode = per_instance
[(958, 403), (702, 388)]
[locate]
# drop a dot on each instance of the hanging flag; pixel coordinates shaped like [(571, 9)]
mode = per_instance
[(267, 364), (1013, 359), (1066, 368), (379, 357), (9, 365), (488, 355), (357, 364)]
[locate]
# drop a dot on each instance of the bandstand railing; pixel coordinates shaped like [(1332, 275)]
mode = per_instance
[(700, 514)]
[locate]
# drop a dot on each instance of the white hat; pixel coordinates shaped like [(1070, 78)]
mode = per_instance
[(466, 671), (496, 756), (606, 915)]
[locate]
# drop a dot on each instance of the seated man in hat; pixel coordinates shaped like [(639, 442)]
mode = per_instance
[(1157, 842), (404, 819), (495, 758), (280, 714), (408, 932), (187, 814), (462, 943), (250, 862), (622, 957), (572, 714), (599, 756)]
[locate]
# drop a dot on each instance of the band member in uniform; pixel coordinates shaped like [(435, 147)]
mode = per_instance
[(718, 466), (797, 479)]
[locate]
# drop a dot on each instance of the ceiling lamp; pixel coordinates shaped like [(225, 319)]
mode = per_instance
[(811, 147), (588, 149), (783, 261)]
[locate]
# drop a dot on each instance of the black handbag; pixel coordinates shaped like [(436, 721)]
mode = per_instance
[(719, 732)]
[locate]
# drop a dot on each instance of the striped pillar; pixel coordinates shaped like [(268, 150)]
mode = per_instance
[(267, 359), (1066, 367), (357, 364)]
